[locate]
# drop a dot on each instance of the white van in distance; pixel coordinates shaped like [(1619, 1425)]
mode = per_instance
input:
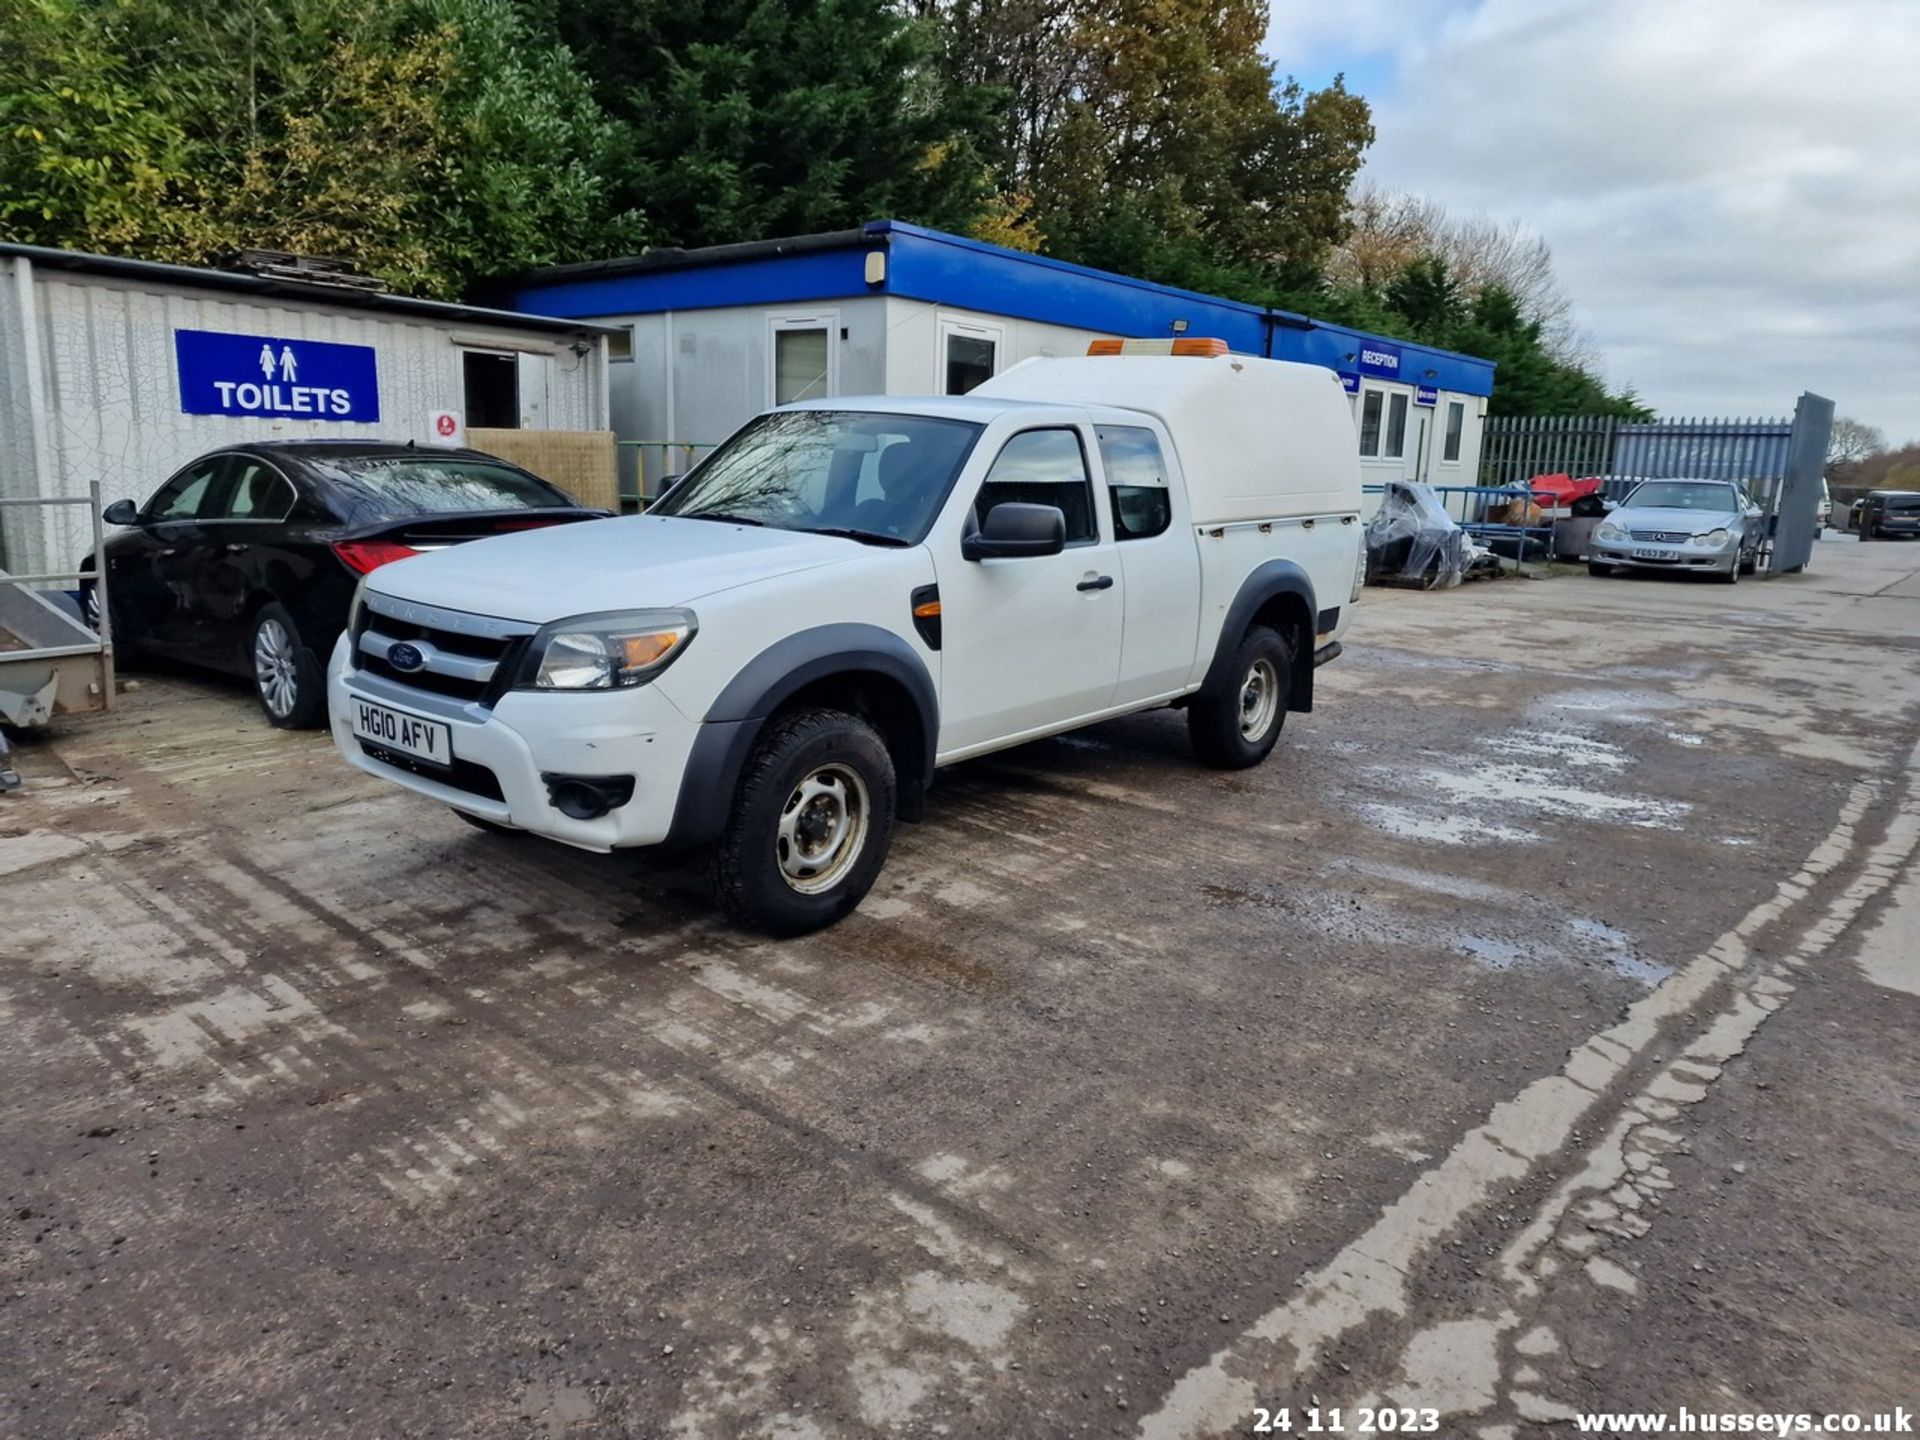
[(850, 593)]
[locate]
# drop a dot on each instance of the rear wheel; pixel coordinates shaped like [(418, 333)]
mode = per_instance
[(287, 676), (812, 820), (1237, 729)]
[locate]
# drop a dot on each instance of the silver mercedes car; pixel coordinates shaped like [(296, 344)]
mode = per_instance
[(1709, 525)]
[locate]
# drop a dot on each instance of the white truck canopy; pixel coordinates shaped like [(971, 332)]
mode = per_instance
[(1256, 439)]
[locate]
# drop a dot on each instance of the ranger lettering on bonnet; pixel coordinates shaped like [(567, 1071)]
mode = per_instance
[(849, 593)]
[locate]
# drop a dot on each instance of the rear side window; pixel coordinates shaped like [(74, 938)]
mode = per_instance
[(395, 486), (1043, 467), (258, 493), (1136, 480)]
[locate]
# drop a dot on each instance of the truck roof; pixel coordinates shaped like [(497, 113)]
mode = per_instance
[(1257, 439)]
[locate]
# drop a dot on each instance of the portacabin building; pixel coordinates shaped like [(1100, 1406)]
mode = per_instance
[(708, 338)]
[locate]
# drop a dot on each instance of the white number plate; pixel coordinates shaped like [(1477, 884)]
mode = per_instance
[(1653, 554), (427, 740)]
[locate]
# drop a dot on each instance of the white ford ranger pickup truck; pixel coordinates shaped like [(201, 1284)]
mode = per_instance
[(847, 594)]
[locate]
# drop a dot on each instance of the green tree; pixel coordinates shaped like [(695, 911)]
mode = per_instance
[(1151, 136), (92, 153), (431, 141), (743, 119)]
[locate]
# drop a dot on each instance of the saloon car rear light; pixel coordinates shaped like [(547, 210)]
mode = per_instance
[(365, 556)]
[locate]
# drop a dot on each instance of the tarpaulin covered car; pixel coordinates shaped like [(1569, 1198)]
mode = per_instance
[(1412, 540)]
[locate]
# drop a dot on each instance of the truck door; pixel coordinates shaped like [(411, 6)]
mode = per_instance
[(1159, 563), (1033, 643)]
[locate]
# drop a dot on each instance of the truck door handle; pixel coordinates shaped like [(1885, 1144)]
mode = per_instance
[(233, 549), (1096, 582), (170, 550)]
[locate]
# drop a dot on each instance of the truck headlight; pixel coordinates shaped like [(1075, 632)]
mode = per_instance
[(1712, 538), (611, 651), (1610, 531)]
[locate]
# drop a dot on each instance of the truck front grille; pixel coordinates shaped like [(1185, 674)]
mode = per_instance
[(452, 653)]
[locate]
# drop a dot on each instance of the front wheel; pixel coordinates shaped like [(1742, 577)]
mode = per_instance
[(1237, 729), (1731, 575), (1598, 569), (287, 676), (812, 819)]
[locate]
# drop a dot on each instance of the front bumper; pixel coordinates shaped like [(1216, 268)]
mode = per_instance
[(503, 754), (1657, 555)]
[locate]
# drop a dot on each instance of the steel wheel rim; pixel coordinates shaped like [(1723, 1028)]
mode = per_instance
[(273, 668), (823, 829), (1259, 699)]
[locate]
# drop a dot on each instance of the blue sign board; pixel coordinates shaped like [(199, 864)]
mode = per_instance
[(1349, 381), (1379, 359), (1426, 395), (264, 375)]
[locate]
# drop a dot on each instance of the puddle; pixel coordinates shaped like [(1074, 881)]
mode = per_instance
[(1618, 949), (1532, 787), (1495, 954), (1443, 829), (1567, 747), (1629, 707)]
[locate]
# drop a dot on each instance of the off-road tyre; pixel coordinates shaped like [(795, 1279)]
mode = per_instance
[(755, 863), (1238, 728)]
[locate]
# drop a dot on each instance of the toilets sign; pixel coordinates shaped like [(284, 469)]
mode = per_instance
[(275, 378)]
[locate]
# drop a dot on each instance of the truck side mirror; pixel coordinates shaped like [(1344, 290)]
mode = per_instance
[(1012, 531), (667, 482), (121, 512)]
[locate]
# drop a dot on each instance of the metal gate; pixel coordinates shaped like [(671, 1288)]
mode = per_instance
[(1779, 461)]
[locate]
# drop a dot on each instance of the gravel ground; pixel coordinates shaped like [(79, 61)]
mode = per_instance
[(1532, 1034)]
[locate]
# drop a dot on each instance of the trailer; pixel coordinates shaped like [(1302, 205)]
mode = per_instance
[(52, 662)]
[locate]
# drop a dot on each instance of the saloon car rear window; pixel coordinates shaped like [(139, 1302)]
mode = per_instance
[(401, 485)]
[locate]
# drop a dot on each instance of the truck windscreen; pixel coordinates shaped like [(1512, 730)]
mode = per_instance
[(858, 473)]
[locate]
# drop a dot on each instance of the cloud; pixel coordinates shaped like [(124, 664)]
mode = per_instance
[(1731, 187)]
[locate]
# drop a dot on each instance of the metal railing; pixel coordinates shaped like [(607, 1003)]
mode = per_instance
[(97, 575), (675, 457), (1460, 500)]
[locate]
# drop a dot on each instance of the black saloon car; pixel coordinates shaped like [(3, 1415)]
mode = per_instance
[(246, 560)]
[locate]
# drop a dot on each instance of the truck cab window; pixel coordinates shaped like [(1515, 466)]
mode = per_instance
[(1043, 467), (1136, 481)]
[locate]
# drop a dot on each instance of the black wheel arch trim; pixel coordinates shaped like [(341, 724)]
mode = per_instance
[(765, 683), (1267, 582)]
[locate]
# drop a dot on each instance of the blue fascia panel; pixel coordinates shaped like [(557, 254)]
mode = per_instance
[(953, 270), (942, 269), (776, 280)]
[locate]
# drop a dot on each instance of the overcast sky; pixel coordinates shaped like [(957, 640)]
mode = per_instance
[(1731, 187)]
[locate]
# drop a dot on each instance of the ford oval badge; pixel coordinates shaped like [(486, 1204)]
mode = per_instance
[(405, 658)]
